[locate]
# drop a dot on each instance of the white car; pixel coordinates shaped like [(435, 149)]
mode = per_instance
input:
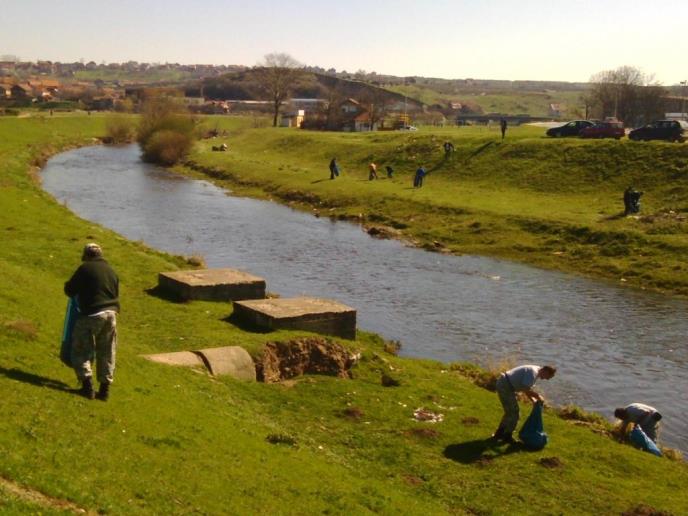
[(408, 128)]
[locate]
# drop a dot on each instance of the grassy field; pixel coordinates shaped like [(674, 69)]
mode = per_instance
[(173, 441), (552, 203), (534, 103)]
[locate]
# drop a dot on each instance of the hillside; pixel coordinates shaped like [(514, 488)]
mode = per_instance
[(173, 441), (552, 203)]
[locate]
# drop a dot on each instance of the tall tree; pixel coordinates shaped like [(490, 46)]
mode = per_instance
[(626, 93), (278, 74)]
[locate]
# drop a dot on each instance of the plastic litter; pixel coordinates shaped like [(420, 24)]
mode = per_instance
[(532, 432)]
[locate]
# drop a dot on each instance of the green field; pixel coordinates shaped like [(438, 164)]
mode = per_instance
[(173, 441), (552, 203), (534, 103)]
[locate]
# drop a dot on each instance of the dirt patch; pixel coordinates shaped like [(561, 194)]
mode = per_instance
[(413, 480), (484, 461), (38, 498), (645, 510), (551, 462), (470, 421), (352, 413), (388, 381), (311, 355), (423, 433), (26, 329)]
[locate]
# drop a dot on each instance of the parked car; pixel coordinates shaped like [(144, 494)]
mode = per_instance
[(408, 128), (670, 130), (573, 128), (606, 129)]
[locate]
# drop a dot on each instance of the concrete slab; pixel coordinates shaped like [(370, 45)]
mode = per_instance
[(229, 360), (179, 358), (299, 313), (212, 285)]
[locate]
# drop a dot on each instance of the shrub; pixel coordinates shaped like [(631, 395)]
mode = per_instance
[(166, 132), (119, 130), (167, 147)]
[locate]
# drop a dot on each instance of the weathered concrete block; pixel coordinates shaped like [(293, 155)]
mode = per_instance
[(179, 358), (230, 360), (299, 313), (212, 285)]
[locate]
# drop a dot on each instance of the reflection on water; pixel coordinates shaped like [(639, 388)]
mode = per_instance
[(612, 346)]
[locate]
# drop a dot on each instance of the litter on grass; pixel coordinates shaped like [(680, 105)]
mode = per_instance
[(422, 414)]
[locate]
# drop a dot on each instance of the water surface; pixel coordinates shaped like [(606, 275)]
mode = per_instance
[(612, 345)]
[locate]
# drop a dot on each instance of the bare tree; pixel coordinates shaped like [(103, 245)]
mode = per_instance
[(376, 102), (278, 74), (626, 93)]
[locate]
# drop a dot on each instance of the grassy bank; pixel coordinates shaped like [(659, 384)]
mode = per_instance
[(552, 203), (173, 441)]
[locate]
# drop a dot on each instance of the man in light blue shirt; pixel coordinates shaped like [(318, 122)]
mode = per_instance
[(645, 416), (519, 379)]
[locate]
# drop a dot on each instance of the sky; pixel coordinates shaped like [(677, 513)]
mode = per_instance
[(454, 39)]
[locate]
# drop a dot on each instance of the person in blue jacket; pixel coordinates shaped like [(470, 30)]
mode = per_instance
[(418, 178)]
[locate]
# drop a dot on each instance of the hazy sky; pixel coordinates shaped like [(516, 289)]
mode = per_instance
[(494, 39)]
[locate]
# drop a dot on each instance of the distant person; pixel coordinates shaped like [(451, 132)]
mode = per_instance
[(96, 287), (334, 168), (390, 171), (519, 379), (418, 178), (448, 149), (645, 416), (631, 199), (502, 127), (372, 171)]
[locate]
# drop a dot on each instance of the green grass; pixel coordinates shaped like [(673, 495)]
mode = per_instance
[(534, 103), (172, 441), (552, 203)]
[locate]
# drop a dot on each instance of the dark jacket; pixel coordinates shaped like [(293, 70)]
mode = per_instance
[(96, 285)]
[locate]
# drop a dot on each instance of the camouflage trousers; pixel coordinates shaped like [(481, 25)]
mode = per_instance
[(96, 335)]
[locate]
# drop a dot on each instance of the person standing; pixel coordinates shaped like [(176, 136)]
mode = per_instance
[(390, 171), (372, 171), (96, 287), (502, 127), (645, 416), (448, 149), (418, 178), (334, 168), (519, 379)]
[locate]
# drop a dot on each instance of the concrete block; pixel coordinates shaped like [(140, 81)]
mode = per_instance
[(179, 358), (212, 285), (300, 313), (230, 360)]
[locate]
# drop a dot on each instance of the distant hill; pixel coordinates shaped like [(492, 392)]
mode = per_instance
[(244, 85)]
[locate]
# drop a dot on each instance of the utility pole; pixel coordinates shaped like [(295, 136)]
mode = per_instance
[(683, 99)]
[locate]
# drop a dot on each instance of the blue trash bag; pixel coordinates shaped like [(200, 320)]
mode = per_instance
[(639, 439), (532, 432), (68, 328)]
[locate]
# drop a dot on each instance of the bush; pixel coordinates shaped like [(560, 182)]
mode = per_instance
[(119, 130), (167, 147), (166, 133)]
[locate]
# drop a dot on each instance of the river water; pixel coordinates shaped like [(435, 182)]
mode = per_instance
[(612, 345)]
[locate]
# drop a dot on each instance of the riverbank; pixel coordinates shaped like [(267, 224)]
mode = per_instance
[(551, 203), (173, 441)]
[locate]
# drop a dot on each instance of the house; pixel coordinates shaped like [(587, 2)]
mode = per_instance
[(5, 90), (350, 107), (293, 119), (21, 91)]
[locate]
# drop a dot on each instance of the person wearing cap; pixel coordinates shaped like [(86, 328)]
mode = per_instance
[(645, 416), (519, 379), (96, 287)]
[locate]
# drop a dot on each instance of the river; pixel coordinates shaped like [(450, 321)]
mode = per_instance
[(612, 345)]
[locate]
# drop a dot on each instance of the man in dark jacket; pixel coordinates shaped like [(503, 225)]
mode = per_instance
[(96, 288)]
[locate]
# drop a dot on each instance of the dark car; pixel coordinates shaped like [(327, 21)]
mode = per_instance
[(669, 130), (606, 129), (573, 128)]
